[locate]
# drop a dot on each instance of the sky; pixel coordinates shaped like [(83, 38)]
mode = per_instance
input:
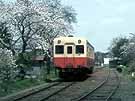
[(99, 21)]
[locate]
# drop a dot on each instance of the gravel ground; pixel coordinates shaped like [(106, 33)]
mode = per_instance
[(126, 91)]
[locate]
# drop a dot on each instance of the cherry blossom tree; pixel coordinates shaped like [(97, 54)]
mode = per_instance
[(129, 51), (32, 20), (124, 48), (35, 23)]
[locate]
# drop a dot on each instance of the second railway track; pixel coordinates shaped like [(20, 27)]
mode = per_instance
[(104, 91)]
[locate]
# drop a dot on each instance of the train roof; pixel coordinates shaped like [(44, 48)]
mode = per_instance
[(66, 37), (90, 44)]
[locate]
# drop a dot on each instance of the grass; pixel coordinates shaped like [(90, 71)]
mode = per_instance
[(131, 77), (23, 84), (53, 76), (19, 85)]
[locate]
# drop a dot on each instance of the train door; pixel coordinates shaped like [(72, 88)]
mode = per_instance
[(69, 56)]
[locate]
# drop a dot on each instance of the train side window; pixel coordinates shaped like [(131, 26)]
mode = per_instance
[(69, 49), (59, 49), (79, 49)]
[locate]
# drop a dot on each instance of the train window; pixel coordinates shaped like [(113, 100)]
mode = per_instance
[(79, 49), (69, 49), (59, 49)]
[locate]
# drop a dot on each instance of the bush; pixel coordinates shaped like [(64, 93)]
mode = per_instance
[(7, 69), (131, 66), (125, 71), (120, 68)]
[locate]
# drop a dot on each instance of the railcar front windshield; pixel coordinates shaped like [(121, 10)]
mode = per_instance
[(79, 49), (59, 49)]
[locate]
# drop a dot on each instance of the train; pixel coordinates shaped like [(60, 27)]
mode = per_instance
[(73, 55)]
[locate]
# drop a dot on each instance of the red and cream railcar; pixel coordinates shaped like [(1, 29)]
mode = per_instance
[(73, 55)]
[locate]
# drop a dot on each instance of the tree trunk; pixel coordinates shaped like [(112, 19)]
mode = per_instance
[(24, 47), (13, 52)]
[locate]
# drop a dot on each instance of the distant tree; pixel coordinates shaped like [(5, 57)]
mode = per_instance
[(124, 49), (129, 51), (116, 49)]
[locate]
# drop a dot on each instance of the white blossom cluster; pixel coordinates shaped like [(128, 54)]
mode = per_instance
[(129, 48), (7, 65)]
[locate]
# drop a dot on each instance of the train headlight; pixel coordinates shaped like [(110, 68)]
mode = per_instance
[(59, 41), (79, 41)]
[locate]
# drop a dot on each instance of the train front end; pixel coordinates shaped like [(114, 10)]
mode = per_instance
[(71, 56)]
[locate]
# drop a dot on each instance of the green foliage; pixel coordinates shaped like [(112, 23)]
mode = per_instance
[(19, 85), (124, 49), (8, 69), (132, 78), (131, 66), (120, 68), (22, 84), (45, 76), (25, 60), (125, 71), (116, 47)]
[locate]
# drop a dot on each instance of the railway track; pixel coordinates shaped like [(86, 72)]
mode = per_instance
[(46, 93), (57, 91), (101, 86), (104, 91)]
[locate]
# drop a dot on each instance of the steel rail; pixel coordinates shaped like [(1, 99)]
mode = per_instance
[(56, 92), (113, 92), (100, 85), (32, 93), (97, 87)]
